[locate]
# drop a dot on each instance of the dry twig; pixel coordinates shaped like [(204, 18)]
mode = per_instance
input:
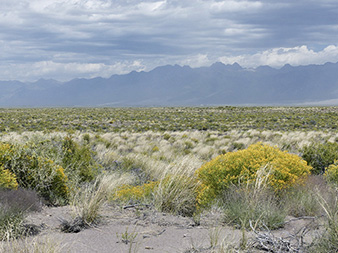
[(293, 243)]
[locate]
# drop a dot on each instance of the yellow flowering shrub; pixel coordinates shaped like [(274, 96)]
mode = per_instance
[(241, 167), (35, 172), (7, 179), (135, 193), (331, 173)]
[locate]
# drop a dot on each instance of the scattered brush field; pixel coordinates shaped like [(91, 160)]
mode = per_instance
[(254, 170)]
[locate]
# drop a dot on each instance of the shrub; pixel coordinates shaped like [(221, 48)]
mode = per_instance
[(130, 193), (242, 166), (320, 156), (78, 160), (7, 179), (331, 173), (35, 172)]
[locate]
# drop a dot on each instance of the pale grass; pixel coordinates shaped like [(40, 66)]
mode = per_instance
[(32, 245), (328, 241), (89, 200), (176, 190)]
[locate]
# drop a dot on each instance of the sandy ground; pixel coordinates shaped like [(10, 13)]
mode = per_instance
[(152, 231)]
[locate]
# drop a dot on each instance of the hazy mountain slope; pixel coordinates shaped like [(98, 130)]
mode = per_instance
[(218, 84)]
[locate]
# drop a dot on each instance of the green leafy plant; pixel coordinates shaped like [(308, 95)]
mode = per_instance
[(320, 155), (127, 237), (11, 223), (331, 173), (78, 160), (35, 172)]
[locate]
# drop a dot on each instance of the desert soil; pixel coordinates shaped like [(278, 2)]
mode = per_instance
[(156, 232)]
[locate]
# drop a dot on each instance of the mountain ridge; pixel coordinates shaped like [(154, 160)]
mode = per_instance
[(174, 85)]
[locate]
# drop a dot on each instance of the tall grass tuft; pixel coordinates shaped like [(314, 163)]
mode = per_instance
[(301, 199), (328, 241), (253, 202), (91, 197), (177, 189)]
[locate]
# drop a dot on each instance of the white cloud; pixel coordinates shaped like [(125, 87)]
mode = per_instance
[(278, 57), (67, 71), (195, 61), (235, 6)]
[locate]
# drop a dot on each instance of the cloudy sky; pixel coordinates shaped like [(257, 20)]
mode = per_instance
[(65, 39)]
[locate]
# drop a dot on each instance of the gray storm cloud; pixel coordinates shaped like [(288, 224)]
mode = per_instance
[(87, 38)]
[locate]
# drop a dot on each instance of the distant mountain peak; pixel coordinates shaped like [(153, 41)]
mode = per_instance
[(229, 67), (175, 85)]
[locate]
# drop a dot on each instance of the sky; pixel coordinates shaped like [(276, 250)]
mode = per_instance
[(66, 39)]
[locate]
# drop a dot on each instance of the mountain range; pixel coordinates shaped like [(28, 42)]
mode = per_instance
[(174, 85)]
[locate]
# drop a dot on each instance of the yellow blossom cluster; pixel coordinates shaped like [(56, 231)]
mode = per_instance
[(283, 170), (135, 193), (7, 179)]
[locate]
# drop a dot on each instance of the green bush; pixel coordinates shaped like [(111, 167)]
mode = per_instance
[(35, 172), (78, 160), (331, 173), (320, 156), (244, 166)]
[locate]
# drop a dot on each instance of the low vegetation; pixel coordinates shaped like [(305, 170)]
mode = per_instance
[(259, 162), (257, 165)]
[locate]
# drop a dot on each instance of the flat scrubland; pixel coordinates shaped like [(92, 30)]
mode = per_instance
[(196, 179)]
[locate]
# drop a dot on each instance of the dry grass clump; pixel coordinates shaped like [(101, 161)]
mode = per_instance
[(301, 199), (328, 241), (32, 245), (253, 202), (14, 205), (173, 189), (91, 197), (177, 190)]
